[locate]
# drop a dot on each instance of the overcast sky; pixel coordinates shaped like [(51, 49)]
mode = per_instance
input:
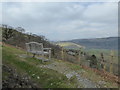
[(63, 20)]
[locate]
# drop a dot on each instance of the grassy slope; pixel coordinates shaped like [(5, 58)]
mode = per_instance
[(47, 76)]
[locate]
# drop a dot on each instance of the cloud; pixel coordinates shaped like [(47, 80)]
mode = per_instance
[(105, 12), (63, 20)]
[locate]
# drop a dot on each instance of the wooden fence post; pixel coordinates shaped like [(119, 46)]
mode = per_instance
[(104, 66), (62, 54), (111, 67), (79, 57), (111, 63), (102, 61)]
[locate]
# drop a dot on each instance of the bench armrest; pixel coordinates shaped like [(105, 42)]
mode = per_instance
[(46, 48)]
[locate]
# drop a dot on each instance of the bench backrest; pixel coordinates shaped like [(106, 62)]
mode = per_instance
[(34, 46)]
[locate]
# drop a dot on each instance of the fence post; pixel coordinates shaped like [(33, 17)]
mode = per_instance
[(111, 63), (62, 54), (111, 67), (79, 57), (103, 62), (104, 66)]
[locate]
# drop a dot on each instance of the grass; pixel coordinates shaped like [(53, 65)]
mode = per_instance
[(91, 75), (96, 78), (73, 66), (48, 78), (105, 52)]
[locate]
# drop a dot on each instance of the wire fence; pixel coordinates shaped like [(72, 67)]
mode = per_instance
[(82, 58)]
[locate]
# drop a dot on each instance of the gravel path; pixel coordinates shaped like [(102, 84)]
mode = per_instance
[(85, 82), (62, 68)]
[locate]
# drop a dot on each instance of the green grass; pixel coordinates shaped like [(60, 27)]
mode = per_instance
[(106, 53), (91, 75), (48, 78), (73, 66)]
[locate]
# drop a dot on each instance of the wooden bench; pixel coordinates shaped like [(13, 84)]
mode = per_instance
[(37, 49)]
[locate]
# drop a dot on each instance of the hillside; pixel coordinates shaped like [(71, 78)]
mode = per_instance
[(18, 37), (23, 71), (98, 43)]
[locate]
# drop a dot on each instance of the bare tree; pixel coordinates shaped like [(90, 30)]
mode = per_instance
[(20, 29), (8, 32)]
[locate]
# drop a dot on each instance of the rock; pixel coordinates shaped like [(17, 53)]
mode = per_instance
[(102, 82), (29, 86), (51, 84), (38, 77), (29, 71), (33, 74)]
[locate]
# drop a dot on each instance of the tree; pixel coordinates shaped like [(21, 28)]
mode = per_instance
[(93, 61), (20, 29), (8, 32)]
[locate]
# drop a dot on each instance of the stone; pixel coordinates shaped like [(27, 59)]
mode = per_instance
[(51, 84), (38, 77)]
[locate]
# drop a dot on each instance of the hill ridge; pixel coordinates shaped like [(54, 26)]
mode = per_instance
[(98, 43)]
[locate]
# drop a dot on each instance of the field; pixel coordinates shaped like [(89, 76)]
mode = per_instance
[(69, 45), (107, 54), (53, 74)]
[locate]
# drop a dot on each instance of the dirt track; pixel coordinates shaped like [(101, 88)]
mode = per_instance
[(62, 68)]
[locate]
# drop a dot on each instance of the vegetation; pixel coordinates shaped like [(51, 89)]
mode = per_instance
[(17, 37), (7, 32), (98, 43), (48, 78), (106, 53), (14, 55), (94, 58)]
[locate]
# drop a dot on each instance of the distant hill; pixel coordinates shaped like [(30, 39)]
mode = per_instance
[(98, 43), (69, 45)]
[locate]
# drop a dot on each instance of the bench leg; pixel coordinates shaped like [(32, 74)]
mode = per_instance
[(28, 54), (42, 57), (49, 54), (33, 55)]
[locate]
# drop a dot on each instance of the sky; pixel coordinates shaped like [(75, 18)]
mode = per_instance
[(63, 20)]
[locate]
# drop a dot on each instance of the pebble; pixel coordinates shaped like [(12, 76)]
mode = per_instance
[(51, 84), (102, 82), (38, 77), (33, 74)]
